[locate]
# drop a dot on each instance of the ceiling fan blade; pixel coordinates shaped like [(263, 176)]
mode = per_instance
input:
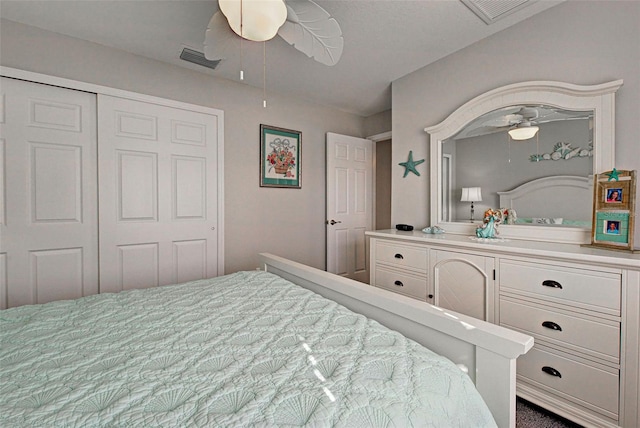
[(220, 40), (310, 29), (506, 120), (485, 130)]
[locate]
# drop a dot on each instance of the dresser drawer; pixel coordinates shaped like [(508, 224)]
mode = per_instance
[(570, 285), (602, 337), (410, 285), (401, 255), (596, 386)]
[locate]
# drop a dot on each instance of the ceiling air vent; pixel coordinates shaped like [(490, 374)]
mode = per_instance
[(491, 11), (198, 58)]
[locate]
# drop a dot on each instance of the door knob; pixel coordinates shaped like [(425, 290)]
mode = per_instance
[(332, 222)]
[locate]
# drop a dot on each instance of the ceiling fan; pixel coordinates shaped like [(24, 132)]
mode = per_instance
[(510, 119), (301, 23)]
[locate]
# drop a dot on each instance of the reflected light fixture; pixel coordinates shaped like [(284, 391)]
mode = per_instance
[(523, 131), (471, 194)]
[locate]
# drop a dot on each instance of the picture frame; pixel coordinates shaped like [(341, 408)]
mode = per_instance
[(280, 156), (614, 194)]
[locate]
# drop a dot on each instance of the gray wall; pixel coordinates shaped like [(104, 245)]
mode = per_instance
[(578, 41), (377, 123), (287, 222)]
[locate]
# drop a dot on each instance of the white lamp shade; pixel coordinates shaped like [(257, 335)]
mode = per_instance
[(523, 133), (471, 194), (260, 21)]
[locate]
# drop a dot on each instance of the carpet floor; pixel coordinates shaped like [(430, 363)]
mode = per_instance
[(528, 415)]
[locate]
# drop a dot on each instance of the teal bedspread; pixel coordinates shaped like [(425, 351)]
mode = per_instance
[(246, 349)]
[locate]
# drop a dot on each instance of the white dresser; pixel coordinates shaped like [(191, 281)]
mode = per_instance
[(580, 304)]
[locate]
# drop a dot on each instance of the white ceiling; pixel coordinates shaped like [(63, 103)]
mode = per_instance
[(383, 41)]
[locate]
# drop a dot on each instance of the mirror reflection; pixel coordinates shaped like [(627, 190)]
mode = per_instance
[(543, 174)]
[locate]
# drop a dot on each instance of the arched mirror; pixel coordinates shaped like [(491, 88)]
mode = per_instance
[(478, 159)]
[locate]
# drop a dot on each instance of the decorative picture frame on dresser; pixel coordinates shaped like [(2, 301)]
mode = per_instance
[(614, 200)]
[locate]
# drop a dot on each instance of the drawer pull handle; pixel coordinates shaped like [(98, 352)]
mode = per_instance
[(399, 283), (551, 325), (551, 283), (398, 256), (551, 371)]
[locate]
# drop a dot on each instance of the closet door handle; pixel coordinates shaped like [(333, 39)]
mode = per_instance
[(551, 283), (398, 256), (551, 325), (399, 283), (551, 371)]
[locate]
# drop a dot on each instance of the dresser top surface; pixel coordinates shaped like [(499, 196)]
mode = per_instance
[(571, 252)]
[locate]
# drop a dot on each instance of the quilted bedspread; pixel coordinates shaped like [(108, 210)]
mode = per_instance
[(246, 349)]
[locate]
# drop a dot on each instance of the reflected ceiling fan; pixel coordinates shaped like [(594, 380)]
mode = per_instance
[(521, 124), (515, 118), (301, 23), (521, 121)]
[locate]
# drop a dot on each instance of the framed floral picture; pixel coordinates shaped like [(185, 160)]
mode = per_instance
[(279, 157)]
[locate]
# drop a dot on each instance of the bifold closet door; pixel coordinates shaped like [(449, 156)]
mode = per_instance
[(158, 194), (48, 196)]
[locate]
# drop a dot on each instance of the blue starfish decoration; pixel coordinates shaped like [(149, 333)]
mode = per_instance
[(613, 175), (410, 165)]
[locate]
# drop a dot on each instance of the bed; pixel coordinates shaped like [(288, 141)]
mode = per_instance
[(259, 348), (555, 200)]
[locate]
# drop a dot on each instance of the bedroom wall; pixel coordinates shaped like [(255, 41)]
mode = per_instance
[(578, 42), (377, 123), (287, 222)]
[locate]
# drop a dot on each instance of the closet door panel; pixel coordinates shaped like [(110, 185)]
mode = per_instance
[(137, 191), (137, 266), (48, 216), (158, 194)]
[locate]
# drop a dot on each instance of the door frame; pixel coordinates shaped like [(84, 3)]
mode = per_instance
[(384, 136), (104, 90)]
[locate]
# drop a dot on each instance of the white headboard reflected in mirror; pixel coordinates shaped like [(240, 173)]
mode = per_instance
[(598, 101), (557, 200)]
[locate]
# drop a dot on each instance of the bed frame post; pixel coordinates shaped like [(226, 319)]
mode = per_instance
[(497, 385)]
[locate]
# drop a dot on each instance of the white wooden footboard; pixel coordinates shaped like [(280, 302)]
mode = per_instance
[(486, 350)]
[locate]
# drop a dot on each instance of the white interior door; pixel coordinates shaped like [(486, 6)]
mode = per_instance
[(48, 193), (349, 204), (158, 194)]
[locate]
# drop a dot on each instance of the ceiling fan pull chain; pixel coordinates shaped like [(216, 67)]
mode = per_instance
[(264, 74), (241, 37)]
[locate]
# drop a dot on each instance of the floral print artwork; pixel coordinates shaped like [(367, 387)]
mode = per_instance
[(282, 158)]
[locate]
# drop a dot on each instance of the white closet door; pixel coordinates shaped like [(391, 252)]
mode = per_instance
[(158, 194), (48, 202)]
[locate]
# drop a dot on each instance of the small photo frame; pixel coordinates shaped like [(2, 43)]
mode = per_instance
[(614, 195), (614, 210), (280, 157), (612, 227)]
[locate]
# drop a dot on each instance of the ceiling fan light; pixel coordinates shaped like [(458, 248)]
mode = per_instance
[(256, 20), (523, 133)]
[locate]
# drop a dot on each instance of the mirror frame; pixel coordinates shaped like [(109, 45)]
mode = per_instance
[(599, 98)]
